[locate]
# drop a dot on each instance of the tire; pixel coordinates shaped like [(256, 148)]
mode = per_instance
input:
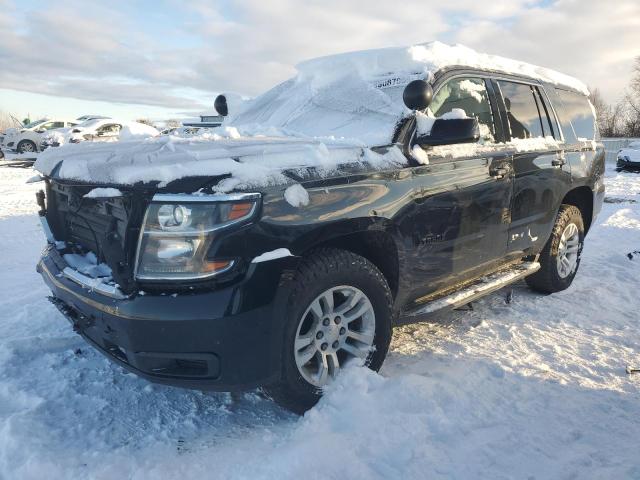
[(554, 276), (26, 146), (342, 274)]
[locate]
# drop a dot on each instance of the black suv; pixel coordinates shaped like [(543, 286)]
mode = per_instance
[(487, 177)]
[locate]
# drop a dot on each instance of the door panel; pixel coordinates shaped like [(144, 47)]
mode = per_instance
[(458, 219), (541, 171), (539, 184)]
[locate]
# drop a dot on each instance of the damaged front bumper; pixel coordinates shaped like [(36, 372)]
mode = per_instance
[(226, 339)]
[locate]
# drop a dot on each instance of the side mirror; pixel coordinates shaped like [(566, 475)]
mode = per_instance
[(449, 132), (417, 95), (220, 104)]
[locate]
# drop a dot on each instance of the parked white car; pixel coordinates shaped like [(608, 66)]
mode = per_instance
[(98, 130), (29, 138)]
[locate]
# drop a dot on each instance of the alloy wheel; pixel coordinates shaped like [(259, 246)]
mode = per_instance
[(568, 251), (338, 327)]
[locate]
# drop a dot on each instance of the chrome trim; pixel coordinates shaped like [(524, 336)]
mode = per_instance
[(216, 197), (115, 311), (90, 284)]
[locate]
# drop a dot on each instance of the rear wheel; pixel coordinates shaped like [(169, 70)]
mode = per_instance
[(26, 146), (338, 313), (560, 257)]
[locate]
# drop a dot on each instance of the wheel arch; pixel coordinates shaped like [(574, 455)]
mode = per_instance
[(375, 243), (582, 199)]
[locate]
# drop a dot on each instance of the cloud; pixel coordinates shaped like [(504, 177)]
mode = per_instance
[(180, 54), (592, 40)]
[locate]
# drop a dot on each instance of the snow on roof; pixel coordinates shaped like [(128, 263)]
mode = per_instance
[(427, 58)]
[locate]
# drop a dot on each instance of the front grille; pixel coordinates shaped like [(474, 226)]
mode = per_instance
[(107, 227), (86, 221)]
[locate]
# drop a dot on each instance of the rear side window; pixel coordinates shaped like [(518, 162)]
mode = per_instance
[(576, 109), (526, 112)]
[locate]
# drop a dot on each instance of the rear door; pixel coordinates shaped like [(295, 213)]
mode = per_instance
[(459, 220), (541, 172)]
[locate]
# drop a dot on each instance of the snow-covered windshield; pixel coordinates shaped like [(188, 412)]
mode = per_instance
[(349, 108)]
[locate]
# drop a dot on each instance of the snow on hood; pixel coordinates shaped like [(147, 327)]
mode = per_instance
[(359, 94), (249, 160), (630, 154)]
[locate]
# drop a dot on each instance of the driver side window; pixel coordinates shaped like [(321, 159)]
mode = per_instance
[(470, 95)]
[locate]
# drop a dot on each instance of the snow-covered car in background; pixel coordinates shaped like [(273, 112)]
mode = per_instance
[(29, 139), (629, 158), (98, 130)]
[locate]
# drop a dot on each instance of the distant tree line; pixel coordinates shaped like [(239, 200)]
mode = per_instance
[(621, 119)]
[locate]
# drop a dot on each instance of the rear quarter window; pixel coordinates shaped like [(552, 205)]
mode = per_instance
[(576, 110)]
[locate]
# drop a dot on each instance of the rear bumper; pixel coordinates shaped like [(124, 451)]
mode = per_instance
[(227, 339)]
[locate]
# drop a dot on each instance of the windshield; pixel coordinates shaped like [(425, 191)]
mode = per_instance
[(35, 123), (346, 107)]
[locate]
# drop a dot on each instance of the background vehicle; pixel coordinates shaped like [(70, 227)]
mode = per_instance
[(96, 130), (29, 139), (629, 158), (274, 260)]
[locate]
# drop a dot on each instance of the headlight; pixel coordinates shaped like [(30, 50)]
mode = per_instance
[(178, 231)]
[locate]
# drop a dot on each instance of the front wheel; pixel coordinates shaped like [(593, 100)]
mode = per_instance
[(560, 257), (26, 146), (338, 313)]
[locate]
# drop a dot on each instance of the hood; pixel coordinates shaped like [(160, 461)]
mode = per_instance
[(243, 161)]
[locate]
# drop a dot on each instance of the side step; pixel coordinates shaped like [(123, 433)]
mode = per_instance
[(479, 288)]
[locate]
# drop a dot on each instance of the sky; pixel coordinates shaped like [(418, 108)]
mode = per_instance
[(169, 59)]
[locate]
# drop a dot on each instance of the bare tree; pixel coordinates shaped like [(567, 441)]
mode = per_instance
[(172, 123), (7, 121), (632, 104)]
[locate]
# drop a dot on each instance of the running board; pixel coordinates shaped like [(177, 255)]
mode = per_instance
[(479, 288)]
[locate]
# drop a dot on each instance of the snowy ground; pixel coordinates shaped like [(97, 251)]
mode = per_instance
[(532, 390)]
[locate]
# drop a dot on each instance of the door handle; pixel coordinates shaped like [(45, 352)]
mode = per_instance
[(559, 161)]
